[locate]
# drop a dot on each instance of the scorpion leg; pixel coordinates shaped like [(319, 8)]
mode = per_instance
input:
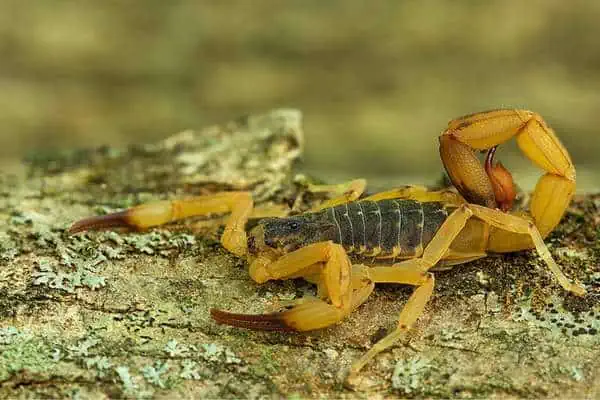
[(346, 192), (519, 225), (414, 272), (239, 204), (419, 193), (408, 316)]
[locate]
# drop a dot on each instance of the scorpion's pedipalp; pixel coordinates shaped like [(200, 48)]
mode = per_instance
[(148, 215)]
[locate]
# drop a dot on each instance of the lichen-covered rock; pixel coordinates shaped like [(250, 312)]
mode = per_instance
[(116, 314)]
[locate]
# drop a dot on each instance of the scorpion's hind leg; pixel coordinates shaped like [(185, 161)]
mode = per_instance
[(408, 316), (519, 226), (239, 204), (414, 272)]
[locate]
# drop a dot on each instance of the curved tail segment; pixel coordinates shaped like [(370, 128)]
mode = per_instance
[(537, 141)]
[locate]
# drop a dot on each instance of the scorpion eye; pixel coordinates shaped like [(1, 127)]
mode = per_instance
[(294, 225)]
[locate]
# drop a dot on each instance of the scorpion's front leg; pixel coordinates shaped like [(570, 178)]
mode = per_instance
[(239, 204)]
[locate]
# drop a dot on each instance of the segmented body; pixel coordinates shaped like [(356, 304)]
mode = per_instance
[(385, 228)]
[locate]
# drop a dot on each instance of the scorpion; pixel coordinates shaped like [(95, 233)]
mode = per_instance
[(348, 244)]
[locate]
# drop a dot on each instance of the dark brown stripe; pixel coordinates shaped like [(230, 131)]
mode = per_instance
[(358, 224), (115, 220), (261, 322)]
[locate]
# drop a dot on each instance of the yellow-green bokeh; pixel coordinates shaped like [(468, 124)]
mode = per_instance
[(377, 81)]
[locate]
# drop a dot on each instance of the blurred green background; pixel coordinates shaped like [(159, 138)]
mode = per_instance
[(377, 81)]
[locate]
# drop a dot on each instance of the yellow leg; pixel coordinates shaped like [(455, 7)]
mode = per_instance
[(519, 225), (408, 316), (537, 141), (414, 272), (317, 314), (239, 204), (419, 193), (345, 192)]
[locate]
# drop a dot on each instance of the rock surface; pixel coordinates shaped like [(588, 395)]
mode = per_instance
[(122, 314)]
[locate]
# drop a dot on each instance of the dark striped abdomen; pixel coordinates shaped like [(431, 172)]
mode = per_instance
[(386, 228)]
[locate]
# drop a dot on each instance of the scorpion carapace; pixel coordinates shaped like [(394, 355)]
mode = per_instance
[(411, 229)]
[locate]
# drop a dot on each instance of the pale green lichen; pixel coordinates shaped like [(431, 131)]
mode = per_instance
[(409, 374), (575, 373), (101, 364), (20, 350), (81, 349), (129, 384), (214, 352), (175, 349), (53, 276), (189, 370), (154, 373), (208, 351)]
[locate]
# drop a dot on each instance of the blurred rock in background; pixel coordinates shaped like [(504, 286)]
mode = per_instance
[(376, 81)]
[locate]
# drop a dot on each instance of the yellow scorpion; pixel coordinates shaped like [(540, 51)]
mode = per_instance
[(410, 229)]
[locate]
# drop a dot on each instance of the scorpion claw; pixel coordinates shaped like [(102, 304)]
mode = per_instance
[(114, 220), (304, 316), (264, 322)]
